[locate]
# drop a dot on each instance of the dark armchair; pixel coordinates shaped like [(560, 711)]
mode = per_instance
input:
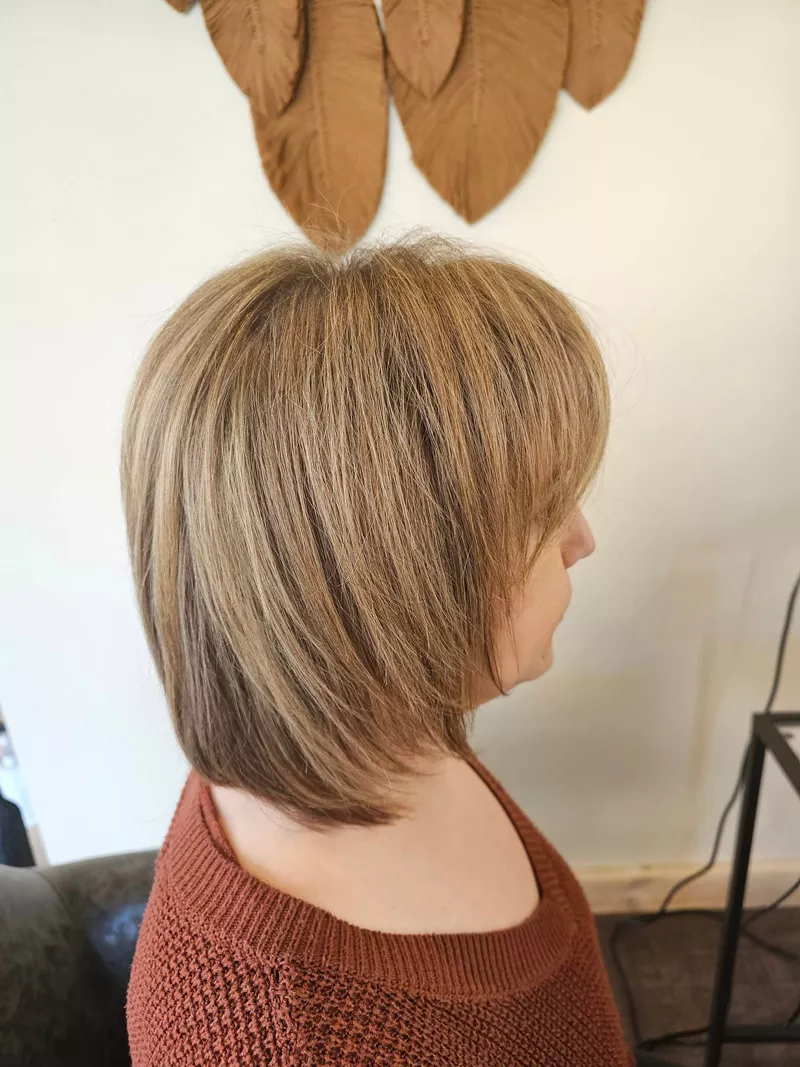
[(67, 936)]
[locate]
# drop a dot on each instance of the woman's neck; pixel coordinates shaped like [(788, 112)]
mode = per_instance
[(452, 862)]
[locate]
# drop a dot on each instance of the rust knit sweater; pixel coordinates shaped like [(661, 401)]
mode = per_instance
[(231, 972)]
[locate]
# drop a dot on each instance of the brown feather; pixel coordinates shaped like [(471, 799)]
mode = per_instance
[(603, 37), (261, 43), (181, 5), (423, 37), (325, 156), (478, 135)]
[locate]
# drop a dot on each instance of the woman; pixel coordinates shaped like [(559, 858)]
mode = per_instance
[(352, 492)]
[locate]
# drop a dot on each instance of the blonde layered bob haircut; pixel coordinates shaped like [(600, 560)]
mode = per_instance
[(333, 474)]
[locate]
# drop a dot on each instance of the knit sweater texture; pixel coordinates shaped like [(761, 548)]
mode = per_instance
[(230, 972)]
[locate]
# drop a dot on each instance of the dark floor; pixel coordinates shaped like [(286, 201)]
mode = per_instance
[(671, 964)]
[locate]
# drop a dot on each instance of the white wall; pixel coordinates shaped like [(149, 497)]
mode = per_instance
[(672, 211)]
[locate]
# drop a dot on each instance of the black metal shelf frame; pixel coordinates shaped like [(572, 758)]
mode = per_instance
[(766, 736)]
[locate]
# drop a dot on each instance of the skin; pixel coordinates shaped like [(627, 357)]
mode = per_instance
[(525, 651), (455, 864)]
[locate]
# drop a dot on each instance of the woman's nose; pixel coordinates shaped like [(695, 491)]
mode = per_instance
[(578, 542)]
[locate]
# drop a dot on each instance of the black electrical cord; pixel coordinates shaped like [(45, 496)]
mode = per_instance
[(787, 626), (641, 921), (712, 859), (680, 1036), (773, 692), (771, 907), (718, 916), (676, 1037)]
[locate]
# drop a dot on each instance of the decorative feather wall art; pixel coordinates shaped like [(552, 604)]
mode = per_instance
[(325, 154), (474, 139), (602, 38), (475, 83)]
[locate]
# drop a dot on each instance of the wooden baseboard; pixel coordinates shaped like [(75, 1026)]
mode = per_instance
[(625, 890)]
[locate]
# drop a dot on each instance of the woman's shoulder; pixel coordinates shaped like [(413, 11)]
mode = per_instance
[(194, 998)]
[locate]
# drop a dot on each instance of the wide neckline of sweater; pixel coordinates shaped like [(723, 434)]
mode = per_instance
[(272, 927)]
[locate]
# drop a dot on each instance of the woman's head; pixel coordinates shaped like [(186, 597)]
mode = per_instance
[(349, 487)]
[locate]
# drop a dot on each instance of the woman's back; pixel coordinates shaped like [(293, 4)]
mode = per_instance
[(230, 971), (455, 863)]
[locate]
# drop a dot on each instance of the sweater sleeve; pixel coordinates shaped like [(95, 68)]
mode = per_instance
[(193, 1002)]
